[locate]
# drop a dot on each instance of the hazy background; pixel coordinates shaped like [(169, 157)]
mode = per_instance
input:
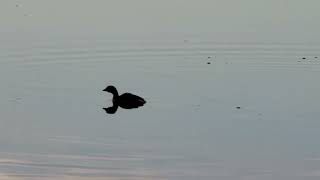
[(221, 20), (56, 56)]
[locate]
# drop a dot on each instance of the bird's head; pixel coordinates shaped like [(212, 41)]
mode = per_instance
[(111, 89)]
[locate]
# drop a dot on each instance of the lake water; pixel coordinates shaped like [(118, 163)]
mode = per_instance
[(53, 125)]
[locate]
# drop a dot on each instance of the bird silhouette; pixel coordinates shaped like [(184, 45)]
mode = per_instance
[(125, 101)]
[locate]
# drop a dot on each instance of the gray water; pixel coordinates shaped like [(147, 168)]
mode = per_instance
[(53, 125), (251, 114)]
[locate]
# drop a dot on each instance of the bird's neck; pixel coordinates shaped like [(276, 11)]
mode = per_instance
[(115, 96)]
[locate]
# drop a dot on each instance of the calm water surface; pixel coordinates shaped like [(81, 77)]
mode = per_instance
[(53, 125)]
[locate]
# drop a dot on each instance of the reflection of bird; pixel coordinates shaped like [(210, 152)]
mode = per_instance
[(126, 100), (111, 110)]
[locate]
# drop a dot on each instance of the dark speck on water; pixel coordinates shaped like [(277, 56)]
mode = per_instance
[(208, 62), (303, 58), (238, 107)]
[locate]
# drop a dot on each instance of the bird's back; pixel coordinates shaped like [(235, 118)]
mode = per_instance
[(129, 101)]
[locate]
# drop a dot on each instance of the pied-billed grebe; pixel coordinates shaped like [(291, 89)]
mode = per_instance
[(126, 100)]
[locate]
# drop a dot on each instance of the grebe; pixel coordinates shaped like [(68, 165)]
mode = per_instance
[(126, 100)]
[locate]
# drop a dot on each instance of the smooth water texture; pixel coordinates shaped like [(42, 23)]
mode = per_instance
[(231, 88), (252, 113)]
